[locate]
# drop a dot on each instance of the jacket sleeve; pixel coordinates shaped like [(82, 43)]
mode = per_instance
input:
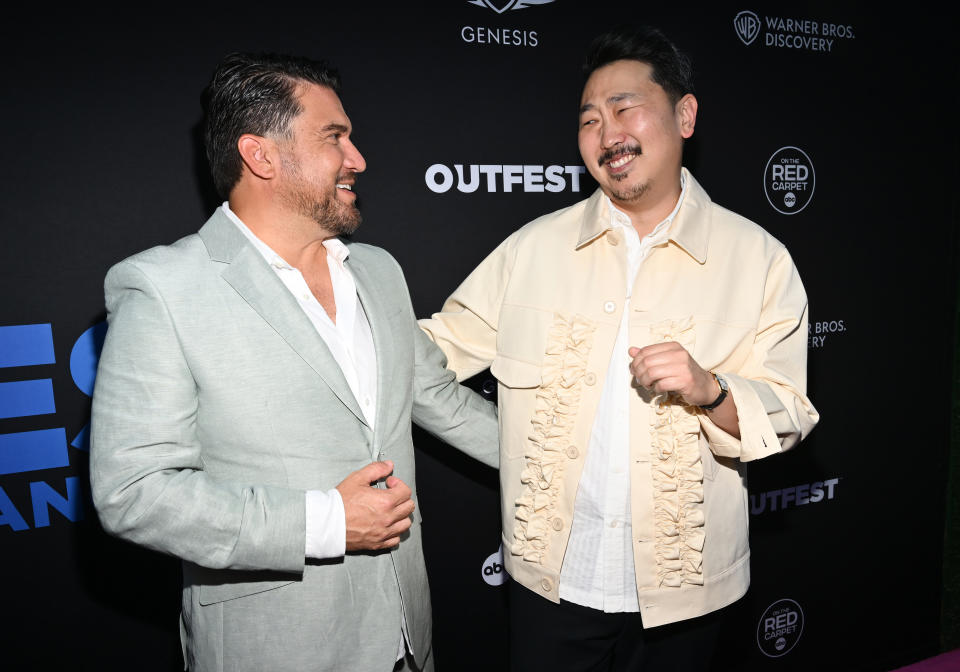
[(442, 406), (465, 329), (769, 389), (146, 465)]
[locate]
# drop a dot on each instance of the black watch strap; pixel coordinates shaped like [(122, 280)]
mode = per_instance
[(723, 394)]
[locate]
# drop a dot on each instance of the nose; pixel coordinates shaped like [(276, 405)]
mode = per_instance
[(611, 134), (353, 159)]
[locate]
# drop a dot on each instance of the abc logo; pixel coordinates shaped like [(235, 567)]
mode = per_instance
[(493, 571)]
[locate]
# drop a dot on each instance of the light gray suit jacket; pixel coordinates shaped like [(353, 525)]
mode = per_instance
[(217, 405)]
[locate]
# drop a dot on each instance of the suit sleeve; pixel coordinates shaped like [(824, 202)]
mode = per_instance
[(146, 465), (446, 409), (769, 389)]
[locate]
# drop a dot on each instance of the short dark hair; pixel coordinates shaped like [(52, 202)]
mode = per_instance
[(253, 93), (672, 69)]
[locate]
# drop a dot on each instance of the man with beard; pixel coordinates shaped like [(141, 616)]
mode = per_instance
[(253, 404), (648, 344)]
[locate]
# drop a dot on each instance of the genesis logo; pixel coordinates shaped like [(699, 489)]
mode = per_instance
[(788, 180), (747, 25), (501, 7), (780, 628)]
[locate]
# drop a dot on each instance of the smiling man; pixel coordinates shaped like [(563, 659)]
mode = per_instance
[(253, 402), (648, 344)]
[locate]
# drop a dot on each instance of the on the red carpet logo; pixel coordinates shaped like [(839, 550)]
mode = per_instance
[(780, 628), (788, 180)]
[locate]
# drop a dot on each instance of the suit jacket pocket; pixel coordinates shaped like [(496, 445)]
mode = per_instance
[(220, 585)]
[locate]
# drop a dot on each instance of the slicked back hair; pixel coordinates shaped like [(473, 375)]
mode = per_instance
[(253, 93)]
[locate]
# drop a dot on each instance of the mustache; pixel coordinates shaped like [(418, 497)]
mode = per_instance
[(616, 152)]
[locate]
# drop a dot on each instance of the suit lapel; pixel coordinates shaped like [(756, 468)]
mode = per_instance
[(251, 277), (375, 309)]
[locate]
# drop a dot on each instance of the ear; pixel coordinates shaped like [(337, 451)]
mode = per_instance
[(258, 155), (687, 114)]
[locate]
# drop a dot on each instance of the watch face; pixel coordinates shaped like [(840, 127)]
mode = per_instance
[(722, 382)]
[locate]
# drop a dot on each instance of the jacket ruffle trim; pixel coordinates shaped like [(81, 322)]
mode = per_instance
[(677, 477), (557, 403)]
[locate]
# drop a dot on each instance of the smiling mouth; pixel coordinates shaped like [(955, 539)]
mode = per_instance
[(621, 161), (617, 159)]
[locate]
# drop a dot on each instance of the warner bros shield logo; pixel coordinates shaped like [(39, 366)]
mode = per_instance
[(747, 25)]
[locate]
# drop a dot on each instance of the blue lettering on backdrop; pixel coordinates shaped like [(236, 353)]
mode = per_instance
[(36, 450), (83, 368)]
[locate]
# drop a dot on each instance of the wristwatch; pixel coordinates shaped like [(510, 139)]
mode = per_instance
[(723, 393)]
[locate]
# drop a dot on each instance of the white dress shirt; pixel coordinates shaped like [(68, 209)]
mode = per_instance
[(598, 569), (350, 341)]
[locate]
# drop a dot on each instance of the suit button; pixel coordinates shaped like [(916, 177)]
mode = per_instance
[(590, 378), (547, 585), (609, 307), (572, 452), (557, 524)]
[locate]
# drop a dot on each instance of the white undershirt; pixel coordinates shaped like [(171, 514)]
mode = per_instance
[(598, 569)]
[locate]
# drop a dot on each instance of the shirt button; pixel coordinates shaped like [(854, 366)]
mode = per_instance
[(547, 585), (572, 452), (609, 307), (557, 524), (590, 378), (613, 523)]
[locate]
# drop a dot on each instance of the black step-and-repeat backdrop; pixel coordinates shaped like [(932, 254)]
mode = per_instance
[(832, 126)]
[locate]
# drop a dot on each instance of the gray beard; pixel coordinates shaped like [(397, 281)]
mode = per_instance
[(331, 215)]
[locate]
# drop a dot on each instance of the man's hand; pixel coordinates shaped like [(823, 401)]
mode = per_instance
[(668, 367), (375, 517)]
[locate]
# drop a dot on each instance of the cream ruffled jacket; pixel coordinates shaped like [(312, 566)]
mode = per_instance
[(542, 312)]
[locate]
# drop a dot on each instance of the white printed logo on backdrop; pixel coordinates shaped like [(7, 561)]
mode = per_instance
[(780, 628), (788, 180), (493, 571), (497, 36), (747, 25), (501, 7), (493, 178), (790, 32)]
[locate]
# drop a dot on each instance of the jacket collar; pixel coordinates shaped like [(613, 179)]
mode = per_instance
[(690, 229)]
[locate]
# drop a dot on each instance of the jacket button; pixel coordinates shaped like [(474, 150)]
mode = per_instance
[(590, 378), (572, 452), (557, 523), (612, 239), (546, 584), (609, 307)]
